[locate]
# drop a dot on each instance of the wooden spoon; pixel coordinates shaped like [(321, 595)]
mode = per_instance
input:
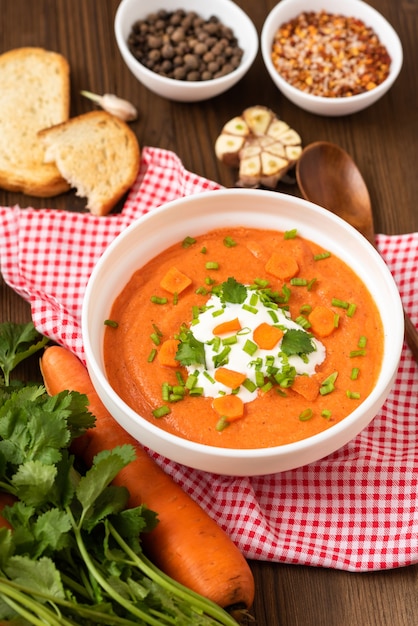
[(328, 176)]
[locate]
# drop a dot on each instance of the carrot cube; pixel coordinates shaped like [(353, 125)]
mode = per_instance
[(282, 266), (267, 336), (175, 281), (229, 378)]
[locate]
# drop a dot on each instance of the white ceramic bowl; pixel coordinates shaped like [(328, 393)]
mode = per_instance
[(129, 11), (289, 9), (196, 215)]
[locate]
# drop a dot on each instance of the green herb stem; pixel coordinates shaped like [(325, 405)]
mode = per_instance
[(102, 582), (171, 585)]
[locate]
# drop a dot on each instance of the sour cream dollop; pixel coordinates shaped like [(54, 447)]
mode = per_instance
[(250, 313)]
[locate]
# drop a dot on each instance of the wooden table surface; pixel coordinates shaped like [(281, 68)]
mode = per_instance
[(381, 139)]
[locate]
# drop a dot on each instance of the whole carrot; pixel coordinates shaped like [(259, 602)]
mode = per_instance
[(187, 543)]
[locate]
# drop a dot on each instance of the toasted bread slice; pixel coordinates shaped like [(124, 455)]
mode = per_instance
[(34, 94), (98, 154)]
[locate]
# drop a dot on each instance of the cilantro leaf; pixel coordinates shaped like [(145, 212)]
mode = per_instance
[(190, 351), (233, 291), (297, 342), (18, 342)]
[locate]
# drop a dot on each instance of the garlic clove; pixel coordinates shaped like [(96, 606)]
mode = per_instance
[(111, 103)]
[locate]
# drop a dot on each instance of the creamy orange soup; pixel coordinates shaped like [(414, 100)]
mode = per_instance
[(309, 334)]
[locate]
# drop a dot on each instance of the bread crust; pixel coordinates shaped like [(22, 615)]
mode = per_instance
[(35, 93)]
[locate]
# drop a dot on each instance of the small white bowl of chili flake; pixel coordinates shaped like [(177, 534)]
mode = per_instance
[(330, 58)]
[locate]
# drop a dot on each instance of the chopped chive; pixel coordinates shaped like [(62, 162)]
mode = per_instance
[(250, 347), (302, 321), (269, 360), (306, 415), (175, 298), (326, 413), (221, 358), (161, 411), (176, 397), (249, 385), (152, 355), (155, 339), (321, 256), (354, 373), (165, 391), (229, 242), (229, 341), (218, 312), (351, 309), (157, 300), (311, 284), (342, 304), (249, 308), (212, 265), (209, 281), (290, 234), (195, 312), (222, 424), (201, 291), (265, 388), (196, 391), (180, 378), (187, 242), (327, 385), (191, 381), (305, 308), (157, 330), (273, 316), (111, 323), (353, 395), (261, 282), (244, 331), (336, 320), (203, 250), (209, 377), (361, 352), (362, 342), (259, 379), (216, 343), (253, 299), (298, 282)]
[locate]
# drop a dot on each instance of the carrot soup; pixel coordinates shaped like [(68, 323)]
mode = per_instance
[(244, 338)]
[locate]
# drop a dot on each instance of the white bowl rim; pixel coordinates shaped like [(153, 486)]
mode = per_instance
[(250, 53), (215, 451), (396, 65)]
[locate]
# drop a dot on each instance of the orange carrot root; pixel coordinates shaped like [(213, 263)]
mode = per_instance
[(187, 543)]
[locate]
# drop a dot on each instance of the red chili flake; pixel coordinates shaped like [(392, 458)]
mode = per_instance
[(330, 55)]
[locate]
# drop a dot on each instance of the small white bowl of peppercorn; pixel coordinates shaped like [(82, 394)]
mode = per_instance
[(186, 51), (330, 58)]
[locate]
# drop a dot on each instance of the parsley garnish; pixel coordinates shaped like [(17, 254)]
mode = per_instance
[(233, 291), (190, 350), (17, 342), (297, 341)]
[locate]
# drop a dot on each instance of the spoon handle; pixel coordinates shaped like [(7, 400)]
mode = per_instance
[(411, 336)]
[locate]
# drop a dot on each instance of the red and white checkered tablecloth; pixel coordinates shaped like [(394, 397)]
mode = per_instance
[(356, 509)]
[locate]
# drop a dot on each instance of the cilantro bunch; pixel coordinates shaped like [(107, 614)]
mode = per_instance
[(72, 552)]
